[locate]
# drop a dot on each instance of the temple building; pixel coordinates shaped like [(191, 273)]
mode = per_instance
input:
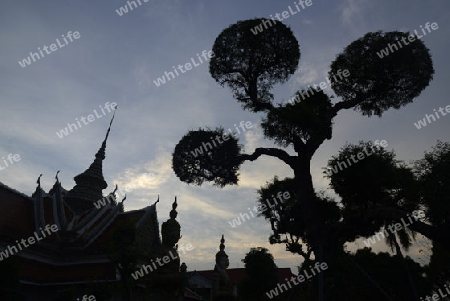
[(220, 284), (62, 247)]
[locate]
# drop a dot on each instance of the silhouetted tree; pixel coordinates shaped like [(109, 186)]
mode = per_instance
[(433, 172), (251, 64), (385, 270), (261, 273)]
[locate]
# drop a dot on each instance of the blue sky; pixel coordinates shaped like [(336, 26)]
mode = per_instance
[(117, 58)]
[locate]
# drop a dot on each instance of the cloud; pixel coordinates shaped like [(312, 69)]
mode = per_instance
[(254, 138), (309, 74), (194, 204), (149, 176), (353, 12), (169, 10)]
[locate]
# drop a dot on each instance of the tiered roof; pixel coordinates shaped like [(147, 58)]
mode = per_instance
[(79, 251)]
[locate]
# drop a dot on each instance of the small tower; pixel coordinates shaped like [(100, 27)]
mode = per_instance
[(171, 229), (221, 289)]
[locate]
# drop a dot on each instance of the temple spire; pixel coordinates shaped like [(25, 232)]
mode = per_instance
[(101, 152), (90, 183), (221, 252)]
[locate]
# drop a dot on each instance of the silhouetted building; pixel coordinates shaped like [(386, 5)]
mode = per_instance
[(78, 254)]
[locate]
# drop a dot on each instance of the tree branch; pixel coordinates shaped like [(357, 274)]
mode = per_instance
[(436, 234), (348, 104), (272, 152)]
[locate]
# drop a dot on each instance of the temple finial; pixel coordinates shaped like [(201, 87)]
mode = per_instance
[(222, 244), (157, 201), (39, 180), (56, 177), (173, 212)]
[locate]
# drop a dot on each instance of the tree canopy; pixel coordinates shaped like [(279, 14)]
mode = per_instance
[(261, 272), (251, 64)]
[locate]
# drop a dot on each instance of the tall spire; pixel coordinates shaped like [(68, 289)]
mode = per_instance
[(95, 171), (90, 183), (101, 152)]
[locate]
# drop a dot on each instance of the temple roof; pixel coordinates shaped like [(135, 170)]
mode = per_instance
[(81, 245), (16, 216)]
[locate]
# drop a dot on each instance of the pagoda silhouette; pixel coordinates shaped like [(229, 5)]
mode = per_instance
[(68, 263)]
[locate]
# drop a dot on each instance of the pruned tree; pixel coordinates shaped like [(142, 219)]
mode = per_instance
[(250, 65)]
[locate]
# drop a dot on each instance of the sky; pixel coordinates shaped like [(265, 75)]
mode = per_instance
[(116, 57)]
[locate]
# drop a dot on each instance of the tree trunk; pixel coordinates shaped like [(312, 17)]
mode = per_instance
[(309, 213), (400, 256)]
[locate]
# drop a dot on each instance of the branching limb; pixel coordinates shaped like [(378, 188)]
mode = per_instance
[(272, 152), (343, 105)]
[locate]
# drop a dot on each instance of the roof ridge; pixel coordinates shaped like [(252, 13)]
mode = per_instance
[(15, 191)]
